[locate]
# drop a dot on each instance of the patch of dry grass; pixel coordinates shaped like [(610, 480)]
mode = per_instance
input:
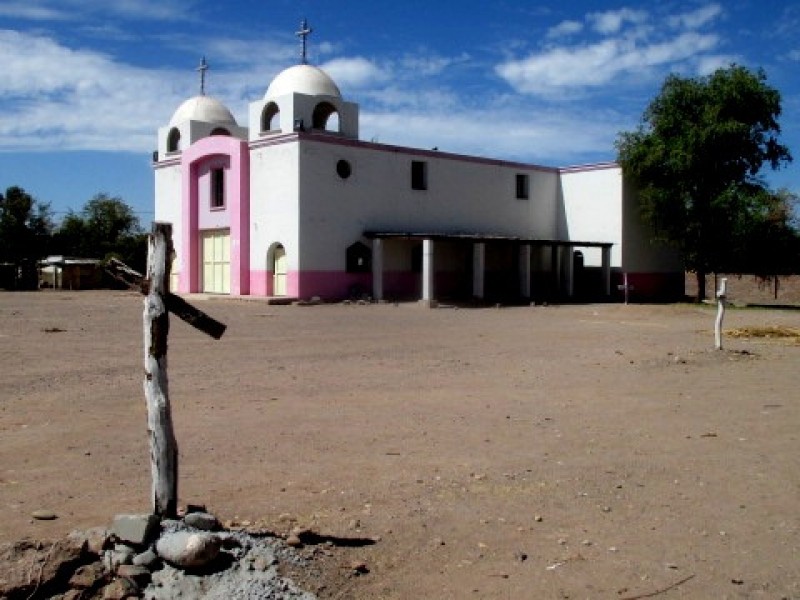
[(790, 334)]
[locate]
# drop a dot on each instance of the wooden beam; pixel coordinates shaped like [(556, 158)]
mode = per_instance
[(175, 304)]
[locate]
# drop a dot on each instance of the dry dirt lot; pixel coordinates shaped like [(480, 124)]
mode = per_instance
[(595, 451)]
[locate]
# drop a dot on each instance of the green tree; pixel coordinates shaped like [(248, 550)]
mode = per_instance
[(25, 228), (696, 159), (106, 226)]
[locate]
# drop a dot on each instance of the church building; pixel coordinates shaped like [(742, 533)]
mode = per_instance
[(296, 205)]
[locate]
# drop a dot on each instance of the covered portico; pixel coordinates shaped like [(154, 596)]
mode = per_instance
[(554, 257)]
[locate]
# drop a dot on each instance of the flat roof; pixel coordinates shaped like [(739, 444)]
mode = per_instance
[(479, 237)]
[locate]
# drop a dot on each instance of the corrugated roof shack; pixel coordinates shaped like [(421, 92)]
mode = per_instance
[(60, 272)]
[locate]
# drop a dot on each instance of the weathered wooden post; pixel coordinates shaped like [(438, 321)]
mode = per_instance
[(158, 303), (163, 447), (721, 296)]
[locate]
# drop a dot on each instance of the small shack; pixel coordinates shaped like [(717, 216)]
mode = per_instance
[(66, 273)]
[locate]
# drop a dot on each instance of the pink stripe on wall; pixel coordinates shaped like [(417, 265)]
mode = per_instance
[(259, 281), (332, 284)]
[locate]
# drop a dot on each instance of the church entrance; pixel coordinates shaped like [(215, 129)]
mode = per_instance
[(279, 271), (216, 253)]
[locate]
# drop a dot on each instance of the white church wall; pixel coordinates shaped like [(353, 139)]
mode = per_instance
[(462, 196), (168, 205), (592, 204), (274, 188)]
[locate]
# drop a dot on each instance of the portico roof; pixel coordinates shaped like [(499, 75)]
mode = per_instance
[(478, 237)]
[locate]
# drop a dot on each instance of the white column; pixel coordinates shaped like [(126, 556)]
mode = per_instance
[(427, 272), (377, 269), (478, 268), (525, 270), (606, 265)]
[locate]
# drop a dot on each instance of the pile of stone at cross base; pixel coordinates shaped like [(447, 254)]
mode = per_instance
[(142, 556)]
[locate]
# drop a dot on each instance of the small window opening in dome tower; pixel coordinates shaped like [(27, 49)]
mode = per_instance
[(270, 117), (174, 140), (220, 131), (326, 117)]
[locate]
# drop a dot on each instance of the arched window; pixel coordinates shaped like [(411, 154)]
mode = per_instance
[(269, 117), (359, 258), (220, 131), (174, 140), (325, 117)]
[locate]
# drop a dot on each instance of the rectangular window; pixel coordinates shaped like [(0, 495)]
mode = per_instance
[(419, 175), (217, 188), (522, 186)]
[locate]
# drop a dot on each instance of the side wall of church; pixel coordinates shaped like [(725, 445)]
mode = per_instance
[(168, 206), (592, 210), (463, 196), (274, 190)]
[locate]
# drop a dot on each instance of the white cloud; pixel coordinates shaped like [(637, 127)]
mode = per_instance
[(354, 72), (631, 46), (564, 29), (426, 64), (550, 137), (612, 21), (696, 18), (73, 10), (31, 11)]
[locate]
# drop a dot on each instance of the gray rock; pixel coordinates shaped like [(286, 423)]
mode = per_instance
[(187, 550), (121, 555), (96, 539), (148, 558), (202, 520), (136, 529)]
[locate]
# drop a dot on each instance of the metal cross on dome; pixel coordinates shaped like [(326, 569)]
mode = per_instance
[(303, 34), (202, 70)]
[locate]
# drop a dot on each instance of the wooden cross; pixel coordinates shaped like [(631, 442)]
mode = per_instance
[(303, 34), (158, 303)]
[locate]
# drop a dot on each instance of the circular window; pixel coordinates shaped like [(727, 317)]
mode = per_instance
[(343, 169)]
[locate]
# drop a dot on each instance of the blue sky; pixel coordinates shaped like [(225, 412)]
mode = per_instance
[(85, 84)]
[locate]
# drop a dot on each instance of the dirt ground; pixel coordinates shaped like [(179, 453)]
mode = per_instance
[(591, 451)]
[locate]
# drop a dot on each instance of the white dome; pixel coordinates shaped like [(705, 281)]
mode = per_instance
[(205, 109), (302, 79)]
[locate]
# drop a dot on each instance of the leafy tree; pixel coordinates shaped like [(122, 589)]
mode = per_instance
[(696, 160), (772, 243), (25, 227), (106, 226)]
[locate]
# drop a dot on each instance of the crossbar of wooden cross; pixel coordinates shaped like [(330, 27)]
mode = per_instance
[(174, 304)]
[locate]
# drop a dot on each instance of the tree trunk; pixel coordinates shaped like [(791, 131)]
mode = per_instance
[(163, 447), (701, 285)]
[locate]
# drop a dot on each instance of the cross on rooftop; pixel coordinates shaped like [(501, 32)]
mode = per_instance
[(303, 34), (202, 70)]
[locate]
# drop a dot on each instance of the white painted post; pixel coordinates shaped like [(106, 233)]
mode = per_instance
[(427, 273), (625, 287), (163, 447), (721, 298), (478, 268), (377, 269)]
